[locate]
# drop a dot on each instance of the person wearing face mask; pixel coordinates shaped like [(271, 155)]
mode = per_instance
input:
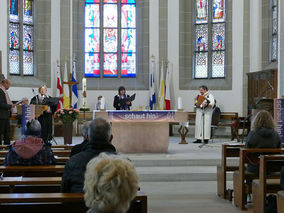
[(204, 103), (121, 101), (46, 118)]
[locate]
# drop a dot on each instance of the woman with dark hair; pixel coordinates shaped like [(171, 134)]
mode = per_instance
[(121, 101)]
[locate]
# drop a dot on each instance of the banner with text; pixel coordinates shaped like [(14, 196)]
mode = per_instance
[(28, 113), (137, 116), (279, 117)]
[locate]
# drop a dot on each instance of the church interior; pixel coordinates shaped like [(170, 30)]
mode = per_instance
[(162, 53)]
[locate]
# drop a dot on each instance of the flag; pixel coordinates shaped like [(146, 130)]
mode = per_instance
[(74, 87), (168, 89), (59, 86), (152, 85), (66, 97), (162, 89)]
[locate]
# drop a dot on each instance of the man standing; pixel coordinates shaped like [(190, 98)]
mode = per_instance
[(204, 103), (99, 135), (5, 111)]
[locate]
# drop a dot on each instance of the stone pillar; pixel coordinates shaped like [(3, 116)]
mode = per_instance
[(255, 35), (280, 49)]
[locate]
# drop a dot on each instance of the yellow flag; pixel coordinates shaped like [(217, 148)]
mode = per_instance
[(162, 104), (66, 97)]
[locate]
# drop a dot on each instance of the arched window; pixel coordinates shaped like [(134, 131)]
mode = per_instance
[(21, 28), (209, 39), (274, 30), (110, 38)]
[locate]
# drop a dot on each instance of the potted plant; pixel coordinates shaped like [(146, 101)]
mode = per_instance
[(67, 116)]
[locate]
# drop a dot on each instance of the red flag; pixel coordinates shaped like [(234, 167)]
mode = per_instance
[(168, 89), (59, 90)]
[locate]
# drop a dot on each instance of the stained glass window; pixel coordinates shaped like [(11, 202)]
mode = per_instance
[(28, 11), (14, 62), (110, 44), (14, 10), (201, 33), (201, 63), (218, 9), (274, 30), (210, 39), (28, 63), (201, 11), (218, 37), (14, 39), (21, 46)]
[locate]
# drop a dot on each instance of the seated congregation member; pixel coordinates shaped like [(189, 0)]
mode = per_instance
[(79, 147), (31, 149), (99, 135), (111, 183), (120, 101), (263, 135)]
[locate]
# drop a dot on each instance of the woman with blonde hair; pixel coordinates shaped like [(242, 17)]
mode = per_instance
[(111, 183)]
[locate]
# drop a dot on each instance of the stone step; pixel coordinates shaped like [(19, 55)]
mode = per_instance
[(179, 162), (178, 173)]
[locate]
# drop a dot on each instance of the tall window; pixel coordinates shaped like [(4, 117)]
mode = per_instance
[(209, 39), (21, 56), (110, 38), (274, 30)]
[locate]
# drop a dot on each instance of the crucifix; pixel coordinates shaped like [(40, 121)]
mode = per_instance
[(70, 83)]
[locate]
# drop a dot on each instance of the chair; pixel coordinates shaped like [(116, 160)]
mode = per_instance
[(216, 116)]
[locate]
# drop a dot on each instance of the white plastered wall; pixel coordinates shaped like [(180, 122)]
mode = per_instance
[(228, 100)]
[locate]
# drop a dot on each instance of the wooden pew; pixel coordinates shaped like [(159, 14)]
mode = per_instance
[(280, 201), (59, 160), (30, 184), (228, 151), (267, 182), (59, 153), (57, 203), (227, 119), (33, 171), (240, 188)]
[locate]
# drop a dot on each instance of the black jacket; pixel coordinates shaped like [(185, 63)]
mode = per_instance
[(5, 109), (262, 138), (78, 148), (74, 172), (117, 100)]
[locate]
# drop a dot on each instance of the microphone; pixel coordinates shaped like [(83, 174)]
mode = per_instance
[(271, 87), (33, 91)]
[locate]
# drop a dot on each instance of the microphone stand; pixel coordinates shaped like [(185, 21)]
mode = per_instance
[(203, 144)]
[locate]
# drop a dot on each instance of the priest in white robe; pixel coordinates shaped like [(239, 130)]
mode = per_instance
[(204, 107)]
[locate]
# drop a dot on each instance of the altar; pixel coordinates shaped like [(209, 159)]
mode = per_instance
[(141, 131)]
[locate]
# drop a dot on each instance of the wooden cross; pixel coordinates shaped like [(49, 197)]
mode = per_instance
[(70, 83)]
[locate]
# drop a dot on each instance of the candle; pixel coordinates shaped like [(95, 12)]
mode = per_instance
[(84, 84), (103, 103), (179, 103)]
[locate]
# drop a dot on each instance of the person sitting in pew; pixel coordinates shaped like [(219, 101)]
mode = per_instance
[(111, 183), (79, 147), (31, 149), (99, 135), (263, 135)]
